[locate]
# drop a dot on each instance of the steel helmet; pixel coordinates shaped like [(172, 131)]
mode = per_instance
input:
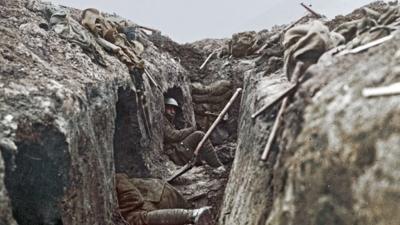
[(171, 101)]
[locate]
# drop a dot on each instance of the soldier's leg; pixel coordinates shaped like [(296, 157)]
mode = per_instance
[(200, 216), (209, 155), (171, 198), (207, 152)]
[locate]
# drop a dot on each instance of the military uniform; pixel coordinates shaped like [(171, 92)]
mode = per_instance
[(137, 197), (179, 145)]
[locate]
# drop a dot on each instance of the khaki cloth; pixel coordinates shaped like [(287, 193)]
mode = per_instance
[(109, 34), (173, 145), (306, 43), (214, 93), (71, 30), (243, 44), (138, 196)]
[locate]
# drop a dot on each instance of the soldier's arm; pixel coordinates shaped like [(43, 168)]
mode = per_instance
[(173, 135)]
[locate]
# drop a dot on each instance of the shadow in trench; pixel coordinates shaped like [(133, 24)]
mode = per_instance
[(128, 147), (177, 94), (37, 175)]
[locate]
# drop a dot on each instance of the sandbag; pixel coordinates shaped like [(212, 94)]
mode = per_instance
[(306, 43)]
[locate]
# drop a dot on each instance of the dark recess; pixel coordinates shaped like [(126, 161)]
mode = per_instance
[(128, 151), (177, 94), (37, 175)]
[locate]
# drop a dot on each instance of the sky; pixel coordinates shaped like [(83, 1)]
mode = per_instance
[(192, 20)]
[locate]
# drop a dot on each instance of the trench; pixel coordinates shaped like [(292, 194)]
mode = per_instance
[(37, 175)]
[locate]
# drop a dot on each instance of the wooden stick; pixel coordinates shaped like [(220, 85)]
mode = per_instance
[(207, 113), (296, 76), (151, 78), (208, 58), (276, 100), (317, 15), (366, 46), (262, 48), (219, 118), (191, 163), (271, 136), (147, 28), (393, 89)]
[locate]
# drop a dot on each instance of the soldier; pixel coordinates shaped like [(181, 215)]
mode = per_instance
[(155, 202), (180, 144)]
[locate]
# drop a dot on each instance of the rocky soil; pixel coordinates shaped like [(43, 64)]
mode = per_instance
[(335, 158), (68, 124)]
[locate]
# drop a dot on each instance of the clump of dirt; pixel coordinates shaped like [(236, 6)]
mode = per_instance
[(378, 6)]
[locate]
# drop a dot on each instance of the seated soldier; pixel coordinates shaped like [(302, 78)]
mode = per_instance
[(179, 145), (155, 202)]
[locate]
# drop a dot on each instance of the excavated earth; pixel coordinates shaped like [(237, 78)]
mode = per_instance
[(67, 125)]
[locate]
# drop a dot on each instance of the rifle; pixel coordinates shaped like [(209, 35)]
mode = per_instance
[(192, 162)]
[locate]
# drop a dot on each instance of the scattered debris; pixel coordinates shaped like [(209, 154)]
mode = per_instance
[(68, 28), (296, 76), (243, 44), (365, 46), (372, 26), (273, 102)]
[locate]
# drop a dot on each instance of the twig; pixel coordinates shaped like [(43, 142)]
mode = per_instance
[(293, 24), (276, 100), (207, 113), (148, 28), (271, 137), (366, 46), (208, 58), (393, 89), (262, 48), (317, 15), (151, 78)]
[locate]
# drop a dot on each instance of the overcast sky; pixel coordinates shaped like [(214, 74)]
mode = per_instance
[(192, 20)]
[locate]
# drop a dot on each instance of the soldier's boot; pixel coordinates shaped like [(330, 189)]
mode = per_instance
[(207, 152), (200, 216), (209, 155)]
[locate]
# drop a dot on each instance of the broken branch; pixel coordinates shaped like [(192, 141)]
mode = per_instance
[(276, 100), (296, 76), (317, 15), (148, 28), (271, 137), (151, 78), (208, 58), (219, 118), (393, 89), (366, 46)]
